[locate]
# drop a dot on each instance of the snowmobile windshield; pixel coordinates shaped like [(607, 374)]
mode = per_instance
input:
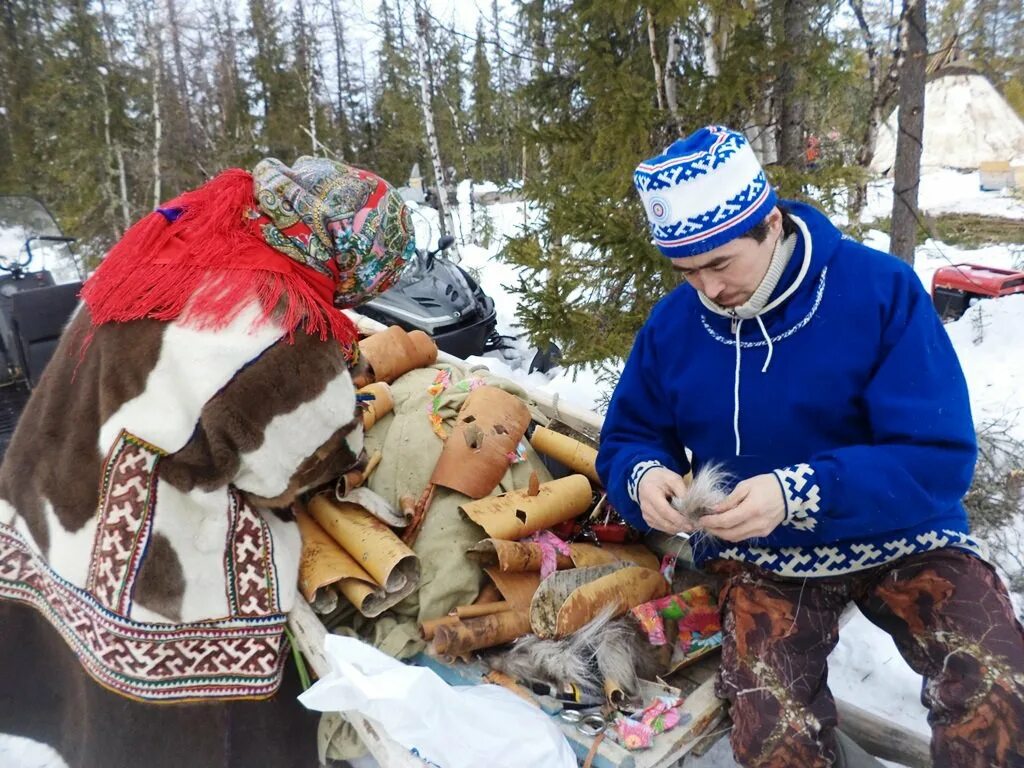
[(22, 219)]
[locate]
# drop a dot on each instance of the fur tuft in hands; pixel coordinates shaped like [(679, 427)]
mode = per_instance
[(707, 489)]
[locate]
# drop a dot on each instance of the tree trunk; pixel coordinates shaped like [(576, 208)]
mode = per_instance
[(907, 174), (882, 92), (157, 62), (122, 183), (182, 85), (426, 86), (659, 79), (460, 139), (795, 26), (344, 81), (671, 97), (310, 77)]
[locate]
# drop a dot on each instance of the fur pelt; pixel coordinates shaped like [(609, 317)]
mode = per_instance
[(606, 648)]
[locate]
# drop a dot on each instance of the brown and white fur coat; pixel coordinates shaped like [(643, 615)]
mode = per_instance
[(140, 499)]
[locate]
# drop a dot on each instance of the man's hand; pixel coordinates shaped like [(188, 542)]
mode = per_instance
[(754, 508), (657, 487)]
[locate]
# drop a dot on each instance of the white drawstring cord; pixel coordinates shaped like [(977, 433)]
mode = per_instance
[(738, 322), (768, 339), (736, 389)]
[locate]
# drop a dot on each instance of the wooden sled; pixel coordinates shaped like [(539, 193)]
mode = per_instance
[(708, 718)]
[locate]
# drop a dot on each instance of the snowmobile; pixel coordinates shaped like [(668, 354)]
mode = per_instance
[(436, 295), (35, 303)]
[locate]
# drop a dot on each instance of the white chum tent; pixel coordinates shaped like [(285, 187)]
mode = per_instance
[(966, 122)]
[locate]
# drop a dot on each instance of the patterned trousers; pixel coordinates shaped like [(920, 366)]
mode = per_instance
[(951, 619)]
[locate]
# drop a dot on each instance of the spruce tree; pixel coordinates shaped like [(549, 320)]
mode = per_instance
[(485, 155), (398, 121)]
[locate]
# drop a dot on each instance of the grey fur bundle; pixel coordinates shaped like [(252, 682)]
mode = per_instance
[(707, 489), (605, 649)]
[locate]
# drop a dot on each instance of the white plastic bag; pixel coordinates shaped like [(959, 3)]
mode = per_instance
[(452, 727)]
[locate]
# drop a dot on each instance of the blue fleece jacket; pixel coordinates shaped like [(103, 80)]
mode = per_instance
[(862, 413)]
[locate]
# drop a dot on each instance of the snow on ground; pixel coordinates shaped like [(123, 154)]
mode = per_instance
[(944, 190)]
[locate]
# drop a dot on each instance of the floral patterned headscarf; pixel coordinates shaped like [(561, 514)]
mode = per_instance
[(344, 222)]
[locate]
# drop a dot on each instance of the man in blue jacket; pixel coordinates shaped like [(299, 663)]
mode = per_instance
[(814, 371)]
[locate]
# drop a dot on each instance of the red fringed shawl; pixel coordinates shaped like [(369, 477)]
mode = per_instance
[(207, 264)]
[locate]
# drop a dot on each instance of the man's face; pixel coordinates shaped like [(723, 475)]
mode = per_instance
[(729, 274)]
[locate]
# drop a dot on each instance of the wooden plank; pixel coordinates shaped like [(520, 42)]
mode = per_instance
[(704, 708), (883, 738), (714, 732)]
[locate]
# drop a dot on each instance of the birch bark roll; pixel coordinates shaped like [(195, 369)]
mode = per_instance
[(567, 600), (325, 564), (516, 556), (568, 451), (482, 632), (516, 588), (383, 403), (371, 543), (393, 352), (516, 514), (519, 556)]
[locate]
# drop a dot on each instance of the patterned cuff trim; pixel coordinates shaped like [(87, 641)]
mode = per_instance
[(641, 469), (802, 495)]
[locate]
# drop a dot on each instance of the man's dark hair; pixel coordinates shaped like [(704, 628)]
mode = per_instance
[(760, 230)]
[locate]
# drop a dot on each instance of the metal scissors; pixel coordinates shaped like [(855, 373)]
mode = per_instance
[(589, 724)]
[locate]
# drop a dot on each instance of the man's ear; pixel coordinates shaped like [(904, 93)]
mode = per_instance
[(775, 221)]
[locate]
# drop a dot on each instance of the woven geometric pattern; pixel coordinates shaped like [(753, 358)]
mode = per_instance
[(802, 494), (230, 658), (837, 559), (249, 561), (124, 521)]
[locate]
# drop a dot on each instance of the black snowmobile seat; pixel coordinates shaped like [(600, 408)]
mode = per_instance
[(40, 316)]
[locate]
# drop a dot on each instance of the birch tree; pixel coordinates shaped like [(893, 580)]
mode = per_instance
[(430, 131)]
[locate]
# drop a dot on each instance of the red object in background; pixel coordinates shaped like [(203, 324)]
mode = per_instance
[(954, 287), (812, 152), (613, 533), (564, 530)]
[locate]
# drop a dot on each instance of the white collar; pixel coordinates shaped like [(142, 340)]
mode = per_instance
[(758, 303)]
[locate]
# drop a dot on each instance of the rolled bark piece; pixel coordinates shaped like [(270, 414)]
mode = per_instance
[(429, 627), (516, 588), (481, 609), (614, 694), (372, 544), (381, 404), (567, 600), (487, 431), (482, 632), (516, 514), (393, 352), (519, 556), (568, 451), (325, 564), (585, 555), (515, 556)]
